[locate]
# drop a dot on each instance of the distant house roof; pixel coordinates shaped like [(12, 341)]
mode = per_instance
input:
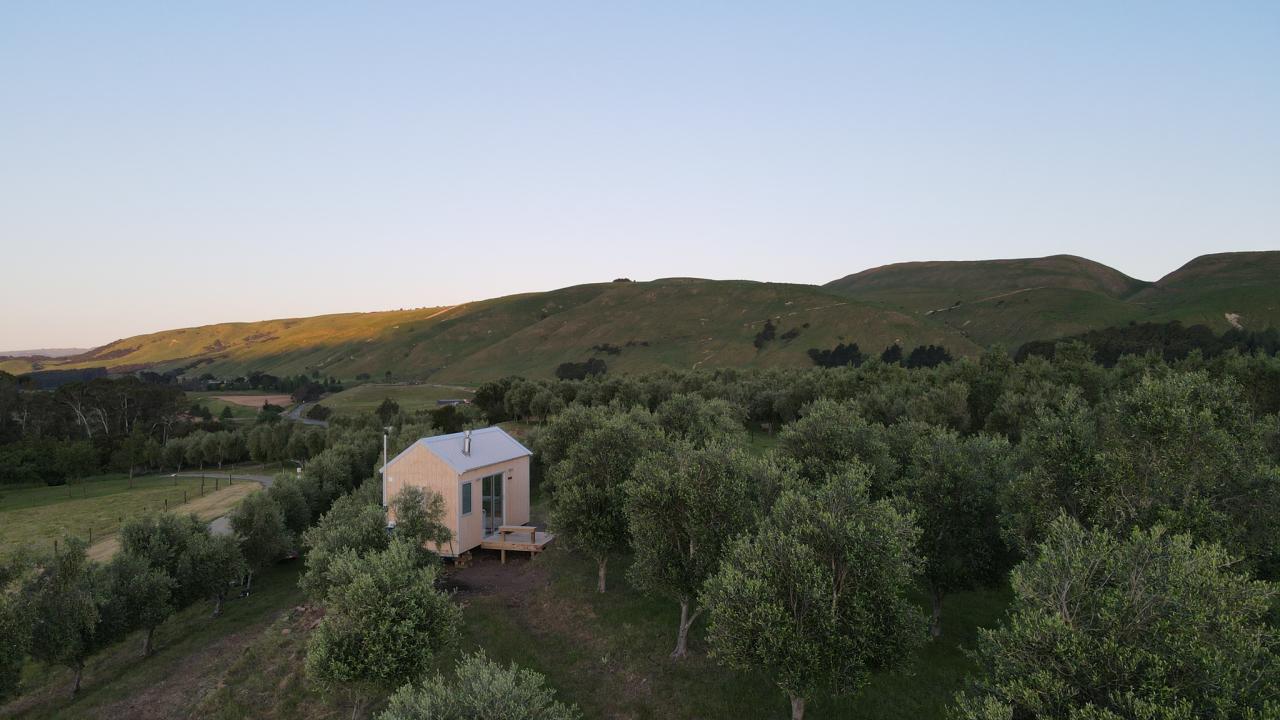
[(489, 446)]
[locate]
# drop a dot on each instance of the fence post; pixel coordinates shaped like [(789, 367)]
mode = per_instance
[(166, 503), (90, 536)]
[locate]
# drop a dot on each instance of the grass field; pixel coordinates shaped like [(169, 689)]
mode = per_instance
[(365, 398), (240, 410), (38, 516)]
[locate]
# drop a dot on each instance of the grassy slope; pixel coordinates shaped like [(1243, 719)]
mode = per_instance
[(1205, 289), (1013, 301), (38, 516), (686, 323), (689, 323), (706, 323), (193, 651)]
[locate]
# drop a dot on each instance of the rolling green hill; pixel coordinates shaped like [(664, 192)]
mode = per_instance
[(1245, 285), (1014, 301), (687, 322), (676, 322)]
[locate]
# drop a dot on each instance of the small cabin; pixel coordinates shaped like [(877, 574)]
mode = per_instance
[(483, 476)]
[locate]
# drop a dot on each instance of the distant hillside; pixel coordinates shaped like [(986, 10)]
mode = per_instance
[(632, 326), (42, 353), (1220, 290), (686, 322), (1016, 301)]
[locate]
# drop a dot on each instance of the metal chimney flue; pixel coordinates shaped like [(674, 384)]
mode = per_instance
[(466, 443)]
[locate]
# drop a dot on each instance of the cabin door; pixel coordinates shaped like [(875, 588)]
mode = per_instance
[(491, 502)]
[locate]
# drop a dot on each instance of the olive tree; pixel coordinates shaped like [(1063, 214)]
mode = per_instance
[(259, 527), (951, 484), (817, 596), (1181, 449), (136, 597), (587, 499), (683, 506), (384, 624), (353, 523), (698, 421), (66, 596), (829, 436), (15, 622), (420, 517), (1152, 625), (481, 688), (210, 565)]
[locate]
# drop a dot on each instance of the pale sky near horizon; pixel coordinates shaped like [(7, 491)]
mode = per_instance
[(174, 164)]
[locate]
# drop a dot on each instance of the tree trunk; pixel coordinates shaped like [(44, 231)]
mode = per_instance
[(217, 604), (146, 643), (935, 622), (600, 581), (356, 706), (248, 583), (797, 708), (75, 687), (682, 637)]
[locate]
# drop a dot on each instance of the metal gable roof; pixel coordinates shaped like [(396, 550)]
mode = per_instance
[(489, 446)]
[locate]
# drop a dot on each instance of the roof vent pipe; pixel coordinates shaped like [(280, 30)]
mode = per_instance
[(466, 443)]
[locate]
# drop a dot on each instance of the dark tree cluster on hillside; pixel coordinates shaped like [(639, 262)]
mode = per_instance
[(765, 336), (838, 356), (1172, 341), (581, 370), (927, 356), (923, 356)]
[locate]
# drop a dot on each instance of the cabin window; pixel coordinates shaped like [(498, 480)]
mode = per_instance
[(466, 498)]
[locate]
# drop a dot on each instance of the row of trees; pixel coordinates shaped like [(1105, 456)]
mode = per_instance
[(804, 558), (63, 608), (989, 392)]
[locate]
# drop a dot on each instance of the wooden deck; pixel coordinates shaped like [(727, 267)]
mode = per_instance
[(530, 541)]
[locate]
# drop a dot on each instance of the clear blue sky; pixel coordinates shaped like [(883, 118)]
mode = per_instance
[(174, 164)]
